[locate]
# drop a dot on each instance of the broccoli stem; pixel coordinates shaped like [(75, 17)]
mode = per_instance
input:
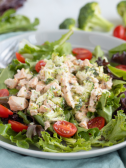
[(103, 23), (124, 18)]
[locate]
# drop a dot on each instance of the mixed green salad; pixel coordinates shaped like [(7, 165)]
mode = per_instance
[(62, 99)]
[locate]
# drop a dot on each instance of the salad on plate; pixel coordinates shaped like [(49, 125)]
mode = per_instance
[(62, 99)]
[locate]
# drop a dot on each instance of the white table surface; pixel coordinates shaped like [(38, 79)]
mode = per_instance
[(52, 12)]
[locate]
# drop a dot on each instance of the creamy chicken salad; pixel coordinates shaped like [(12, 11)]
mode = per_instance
[(62, 99)]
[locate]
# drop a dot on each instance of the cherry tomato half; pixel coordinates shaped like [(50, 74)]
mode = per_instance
[(98, 122), (39, 65), (84, 56), (17, 126), (4, 112), (65, 128), (122, 67), (20, 58), (119, 32), (124, 38), (4, 92), (82, 53)]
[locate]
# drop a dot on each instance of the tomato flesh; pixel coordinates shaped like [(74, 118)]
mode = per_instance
[(98, 122), (124, 38), (20, 58), (65, 128), (39, 65), (4, 112), (84, 56), (17, 126), (4, 92), (82, 53), (122, 67), (119, 32)]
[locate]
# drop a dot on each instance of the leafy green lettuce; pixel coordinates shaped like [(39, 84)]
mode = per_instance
[(55, 143), (97, 53), (117, 72), (18, 138), (108, 103), (114, 132), (33, 54), (5, 74), (30, 51), (119, 49), (46, 143), (10, 22)]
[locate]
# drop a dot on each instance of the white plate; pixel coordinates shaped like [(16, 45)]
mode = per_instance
[(78, 39)]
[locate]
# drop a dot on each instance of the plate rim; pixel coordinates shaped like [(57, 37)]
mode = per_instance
[(64, 156), (63, 31), (50, 155)]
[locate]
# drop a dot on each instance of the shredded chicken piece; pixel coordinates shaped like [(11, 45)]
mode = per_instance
[(23, 92), (11, 83), (78, 89), (71, 57), (49, 104), (66, 90), (84, 63), (71, 66), (29, 76), (54, 85), (96, 82), (73, 80), (34, 95), (40, 86), (82, 118), (84, 123), (106, 85), (47, 124), (21, 74), (84, 109), (17, 103), (33, 108), (44, 109), (33, 82), (95, 93), (22, 82), (81, 63)]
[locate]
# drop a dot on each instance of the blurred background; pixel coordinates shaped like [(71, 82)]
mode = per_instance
[(52, 12)]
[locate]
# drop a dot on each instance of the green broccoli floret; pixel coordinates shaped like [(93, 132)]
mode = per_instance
[(59, 101), (121, 8), (56, 115), (68, 24), (90, 18)]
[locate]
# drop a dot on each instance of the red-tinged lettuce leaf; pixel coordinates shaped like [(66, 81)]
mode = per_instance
[(9, 4), (34, 130), (119, 58), (20, 139), (119, 49)]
